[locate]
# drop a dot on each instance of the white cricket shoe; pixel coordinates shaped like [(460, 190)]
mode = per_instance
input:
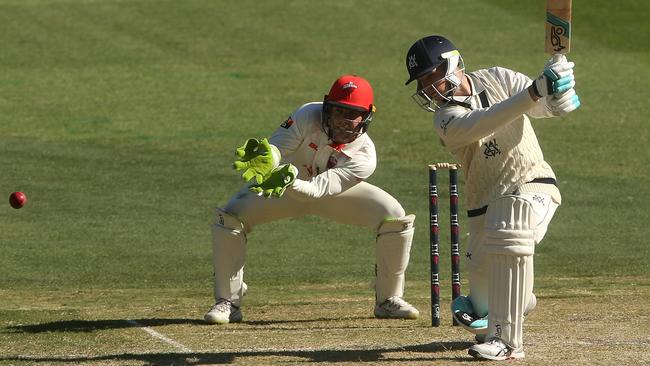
[(396, 308), (223, 312), (495, 350)]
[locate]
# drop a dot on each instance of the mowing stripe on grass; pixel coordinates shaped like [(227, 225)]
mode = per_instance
[(155, 334)]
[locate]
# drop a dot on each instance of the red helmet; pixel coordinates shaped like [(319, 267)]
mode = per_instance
[(350, 91)]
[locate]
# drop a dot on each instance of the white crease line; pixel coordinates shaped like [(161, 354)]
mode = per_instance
[(155, 334)]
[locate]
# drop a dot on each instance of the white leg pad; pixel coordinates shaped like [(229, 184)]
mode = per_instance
[(228, 252), (392, 253), (510, 244), (509, 294)]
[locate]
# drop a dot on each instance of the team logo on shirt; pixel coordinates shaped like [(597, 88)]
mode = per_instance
[(287, 123), (491, 149), (444, 124)]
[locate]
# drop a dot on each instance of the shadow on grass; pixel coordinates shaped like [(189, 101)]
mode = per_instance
[(307, 356), (93, 325), (313, 320)]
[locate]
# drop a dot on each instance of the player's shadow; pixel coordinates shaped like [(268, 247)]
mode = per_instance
[(94, 325), (417, 353), (333, 323)]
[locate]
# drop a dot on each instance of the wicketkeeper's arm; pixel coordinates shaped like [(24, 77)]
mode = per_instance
[(330, 182)]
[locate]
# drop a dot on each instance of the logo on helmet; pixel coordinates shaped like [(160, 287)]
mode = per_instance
[(349, 87), (412, 61)]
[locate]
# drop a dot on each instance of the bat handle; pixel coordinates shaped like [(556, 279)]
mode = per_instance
[(558, 57)]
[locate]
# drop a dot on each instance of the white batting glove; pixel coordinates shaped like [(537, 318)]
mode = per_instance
[(561, 104), (557, 78)]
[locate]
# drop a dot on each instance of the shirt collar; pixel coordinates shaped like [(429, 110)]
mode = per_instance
[(350, 148)]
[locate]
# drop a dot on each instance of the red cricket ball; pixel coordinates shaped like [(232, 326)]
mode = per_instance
[(17, 200)]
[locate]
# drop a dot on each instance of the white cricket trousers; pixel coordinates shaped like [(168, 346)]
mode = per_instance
[(363, 205)]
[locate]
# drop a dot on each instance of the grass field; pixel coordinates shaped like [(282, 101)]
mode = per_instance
[(118, 119)]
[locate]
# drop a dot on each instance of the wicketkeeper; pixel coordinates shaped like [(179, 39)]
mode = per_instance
[(315, 163), (482, 118)]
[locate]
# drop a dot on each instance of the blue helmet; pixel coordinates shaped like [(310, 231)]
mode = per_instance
[(423, 57), (426, 54)]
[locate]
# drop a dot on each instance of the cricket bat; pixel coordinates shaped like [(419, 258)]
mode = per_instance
[(558, 27)]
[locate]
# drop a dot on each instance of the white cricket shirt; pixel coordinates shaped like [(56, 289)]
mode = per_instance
[(496, 144)]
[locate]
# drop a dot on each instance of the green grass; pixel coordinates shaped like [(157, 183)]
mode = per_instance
[(118, 119)]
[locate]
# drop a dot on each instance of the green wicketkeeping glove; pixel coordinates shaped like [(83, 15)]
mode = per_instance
[(256, 159), (277, 182)]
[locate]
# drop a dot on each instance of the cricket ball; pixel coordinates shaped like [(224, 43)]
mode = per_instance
[(17, 200)]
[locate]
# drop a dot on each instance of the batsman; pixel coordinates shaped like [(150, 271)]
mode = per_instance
[(316, 163), (483, 119)]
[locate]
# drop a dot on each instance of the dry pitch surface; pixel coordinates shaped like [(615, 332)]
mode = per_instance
[(594, 324)]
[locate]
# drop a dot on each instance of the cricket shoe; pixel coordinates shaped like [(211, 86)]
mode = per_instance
[(223, 312), (396, 308), (463, 313), (495, 350)]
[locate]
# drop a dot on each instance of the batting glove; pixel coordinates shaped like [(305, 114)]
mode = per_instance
[(557, 78), (277, 182), (561, 104), (256, 159)]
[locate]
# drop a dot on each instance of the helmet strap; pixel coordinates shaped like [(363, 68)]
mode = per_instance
[(325, 119)]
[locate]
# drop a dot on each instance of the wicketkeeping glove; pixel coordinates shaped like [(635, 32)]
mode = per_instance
[(563, 103), (277, 182), (556, 78), (257, 159)]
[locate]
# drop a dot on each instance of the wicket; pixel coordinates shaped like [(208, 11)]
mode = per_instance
[(434, 239)]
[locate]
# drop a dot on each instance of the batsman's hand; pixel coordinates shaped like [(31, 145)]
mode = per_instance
[(277, 182), (561, 104), (557, 77), (256, 159)]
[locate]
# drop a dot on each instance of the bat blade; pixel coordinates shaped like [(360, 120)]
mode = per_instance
[(558, 26)]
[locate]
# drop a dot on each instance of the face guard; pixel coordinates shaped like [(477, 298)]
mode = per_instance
[(347, 109), (344, 124), (429, 97)]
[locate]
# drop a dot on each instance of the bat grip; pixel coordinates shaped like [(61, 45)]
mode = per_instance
[(558, 57)]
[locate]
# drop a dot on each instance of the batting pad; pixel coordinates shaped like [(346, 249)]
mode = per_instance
[(510, 227), (392, 256), (510, 290), (510, 243), (228, 254)]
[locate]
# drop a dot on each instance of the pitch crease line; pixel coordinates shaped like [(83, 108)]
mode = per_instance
[(155, 334)]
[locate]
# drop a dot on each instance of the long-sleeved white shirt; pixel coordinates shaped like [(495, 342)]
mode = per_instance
[(324, 168), (495, 143)]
